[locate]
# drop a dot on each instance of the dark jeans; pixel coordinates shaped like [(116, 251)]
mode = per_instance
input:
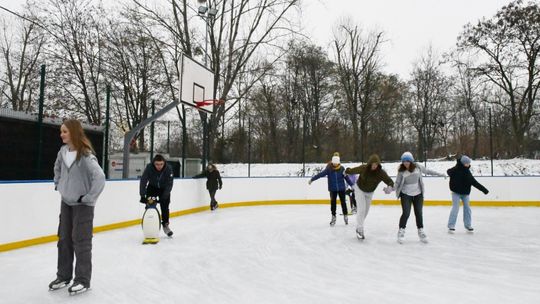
[(212, 193), (333, 197), (163, 202), (353, 200), (75, 240), (406, 202)]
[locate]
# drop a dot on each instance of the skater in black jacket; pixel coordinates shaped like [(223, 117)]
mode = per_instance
[(461, 181), (157, 181), (213, 183)]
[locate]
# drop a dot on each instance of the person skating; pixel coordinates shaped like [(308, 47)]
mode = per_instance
[(336, 177), (410, 190), (213, 183), (350, 193), (370, 175), (461, 181), (80, 180), (157, 181)]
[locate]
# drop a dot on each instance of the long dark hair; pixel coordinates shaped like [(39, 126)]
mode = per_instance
[(402, 167)]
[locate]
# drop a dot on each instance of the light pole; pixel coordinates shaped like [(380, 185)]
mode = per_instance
[(206, 13)]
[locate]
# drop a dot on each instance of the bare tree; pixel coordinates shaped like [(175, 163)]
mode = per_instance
[(428, 99), (21, 44), (75, 51), (470, 90), (357, 67), (235, 34), (509, 43)]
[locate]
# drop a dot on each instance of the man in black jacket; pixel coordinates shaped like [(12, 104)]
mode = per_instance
[(213, 183), (461, 181), (157, 181)]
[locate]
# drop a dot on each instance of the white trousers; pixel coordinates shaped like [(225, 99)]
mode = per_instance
[(363, 202)]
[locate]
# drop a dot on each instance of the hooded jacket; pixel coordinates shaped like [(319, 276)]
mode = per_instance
[(82, 182), (213, 181), (368, 179), (461, 180), (336, 178), (162, 180)]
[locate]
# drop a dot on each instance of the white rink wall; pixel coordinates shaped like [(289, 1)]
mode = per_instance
[(30, 210)]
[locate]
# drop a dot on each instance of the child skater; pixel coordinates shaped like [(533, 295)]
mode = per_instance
[(213, 183), (370, 175), (335, 174), (410, 189), (461, 181), (80, 180)]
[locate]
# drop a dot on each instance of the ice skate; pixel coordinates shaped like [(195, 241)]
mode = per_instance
[(422, 235), (333, 220), (167, 230), (58, 284), (78, 287), (360, 234), (401, 235)]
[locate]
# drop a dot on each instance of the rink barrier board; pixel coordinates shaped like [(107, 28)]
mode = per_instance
[(125, 224)]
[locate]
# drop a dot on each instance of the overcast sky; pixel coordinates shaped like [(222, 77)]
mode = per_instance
[(410, 25)]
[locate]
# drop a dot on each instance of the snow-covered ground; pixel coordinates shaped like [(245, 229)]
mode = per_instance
[(509, 167), (289, 254)]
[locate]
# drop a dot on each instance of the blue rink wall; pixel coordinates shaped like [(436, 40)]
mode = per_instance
[(30, 211)]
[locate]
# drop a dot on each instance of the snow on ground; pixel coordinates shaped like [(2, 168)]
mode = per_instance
[(508, 167), (289, 254)]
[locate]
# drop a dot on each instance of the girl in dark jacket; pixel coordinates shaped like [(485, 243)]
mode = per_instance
[(370, 175), (213, 183), (335, 174), (461, 181)]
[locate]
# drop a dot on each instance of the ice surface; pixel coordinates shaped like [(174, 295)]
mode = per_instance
[(289, 254)]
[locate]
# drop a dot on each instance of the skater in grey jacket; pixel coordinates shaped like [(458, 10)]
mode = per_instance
[(80, 180), (410, 189)]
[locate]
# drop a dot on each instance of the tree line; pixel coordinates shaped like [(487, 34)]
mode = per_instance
[(287, 98)]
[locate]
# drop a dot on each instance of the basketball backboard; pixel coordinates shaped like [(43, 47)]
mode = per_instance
[(196, 84)]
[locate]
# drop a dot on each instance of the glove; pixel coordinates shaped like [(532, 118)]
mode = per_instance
[(486, 192), (220, 187), (349, 191), (309, 183), (143, 200)]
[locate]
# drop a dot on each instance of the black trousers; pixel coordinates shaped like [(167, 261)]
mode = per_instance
[(333, 197), (212, 193), (353, 200), (406, 202), (163, 202), (75, 243)]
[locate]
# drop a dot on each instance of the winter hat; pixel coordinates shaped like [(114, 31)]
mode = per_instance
[(407, 157), (335, 159), (465, 160), (374, 158)]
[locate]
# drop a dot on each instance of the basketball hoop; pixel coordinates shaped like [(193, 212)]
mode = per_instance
[(208, 103)]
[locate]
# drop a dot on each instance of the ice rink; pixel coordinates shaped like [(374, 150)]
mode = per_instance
[(289, 254)]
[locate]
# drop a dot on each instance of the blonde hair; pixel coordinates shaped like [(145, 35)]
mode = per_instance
[(78, 138)]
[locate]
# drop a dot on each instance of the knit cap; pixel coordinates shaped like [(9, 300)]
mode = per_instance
[(407, 157)]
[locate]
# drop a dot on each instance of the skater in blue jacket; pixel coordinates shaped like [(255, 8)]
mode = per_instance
[(335, 174)]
